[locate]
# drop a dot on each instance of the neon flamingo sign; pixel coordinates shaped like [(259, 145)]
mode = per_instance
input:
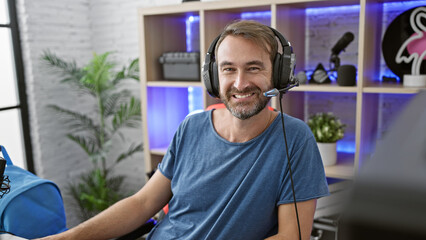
[(416, 44)]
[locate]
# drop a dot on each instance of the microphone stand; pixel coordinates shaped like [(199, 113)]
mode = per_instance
[(335, 60)]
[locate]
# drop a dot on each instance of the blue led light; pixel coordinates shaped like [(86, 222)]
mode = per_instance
[(263, 17), (192, 99), (167, 107), (403, 5), (195, 99), (345, 146), (331, 10), (189, 24), (388, 73), (252, 15)]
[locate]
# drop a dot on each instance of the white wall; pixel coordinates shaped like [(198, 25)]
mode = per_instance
[(74, 29)]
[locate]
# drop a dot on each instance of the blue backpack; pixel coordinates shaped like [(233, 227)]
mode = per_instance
[(33, 207)]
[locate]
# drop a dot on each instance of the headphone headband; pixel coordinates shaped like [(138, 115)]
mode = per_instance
[(282, 72), (282, 39)]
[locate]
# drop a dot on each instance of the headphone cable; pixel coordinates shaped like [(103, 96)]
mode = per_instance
[(289, 166)]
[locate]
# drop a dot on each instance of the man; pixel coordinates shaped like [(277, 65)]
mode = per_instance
[(225, 174)]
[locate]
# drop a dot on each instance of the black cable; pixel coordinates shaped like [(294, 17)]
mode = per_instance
[(289, 166)]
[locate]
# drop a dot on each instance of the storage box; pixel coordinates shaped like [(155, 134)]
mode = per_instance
[(183, 66)]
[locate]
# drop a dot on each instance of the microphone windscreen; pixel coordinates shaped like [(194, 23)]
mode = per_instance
[(271, 93)]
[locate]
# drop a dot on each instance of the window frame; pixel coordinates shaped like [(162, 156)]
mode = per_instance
[(20, 83)]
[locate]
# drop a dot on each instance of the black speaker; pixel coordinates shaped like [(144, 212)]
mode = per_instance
[(282, 72), (346, 75)]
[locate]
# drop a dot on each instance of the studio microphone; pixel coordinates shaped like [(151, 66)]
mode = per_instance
[(274, 92), (343, 42)]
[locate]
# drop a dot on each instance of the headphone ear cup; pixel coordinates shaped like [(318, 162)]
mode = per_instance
[(215, 80), (276, 71), (210, 73), (210, 78), (207, 77), (286, 67)]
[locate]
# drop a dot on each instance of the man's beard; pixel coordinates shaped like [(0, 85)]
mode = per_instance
[(240, 110)]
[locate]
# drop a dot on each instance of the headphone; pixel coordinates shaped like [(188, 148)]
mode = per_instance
[(282, 72)]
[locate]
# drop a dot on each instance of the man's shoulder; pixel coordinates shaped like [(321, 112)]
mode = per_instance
[(198, 115), (294, 122), (196, 119)]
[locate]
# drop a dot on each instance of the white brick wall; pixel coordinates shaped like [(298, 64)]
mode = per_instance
[(64, 28)]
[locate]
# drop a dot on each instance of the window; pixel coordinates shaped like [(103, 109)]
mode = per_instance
[(14, 124)]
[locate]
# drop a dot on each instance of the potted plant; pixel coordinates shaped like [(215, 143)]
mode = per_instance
[(327, 130), (95, 132)]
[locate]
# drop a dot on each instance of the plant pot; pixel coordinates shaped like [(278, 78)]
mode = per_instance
[(328, 153)]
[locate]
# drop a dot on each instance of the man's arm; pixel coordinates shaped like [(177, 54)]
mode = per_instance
[(287, 222), (124, 216)]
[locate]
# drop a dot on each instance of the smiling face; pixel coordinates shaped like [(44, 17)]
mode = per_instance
[(245, 72)]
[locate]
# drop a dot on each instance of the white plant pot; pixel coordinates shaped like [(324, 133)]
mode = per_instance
[(328, 153)]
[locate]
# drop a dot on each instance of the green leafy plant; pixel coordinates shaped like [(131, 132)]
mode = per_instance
[(96, 132), (326, 127)]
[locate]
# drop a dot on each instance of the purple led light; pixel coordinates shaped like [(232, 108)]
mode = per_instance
[(167, 107), (190, 21)]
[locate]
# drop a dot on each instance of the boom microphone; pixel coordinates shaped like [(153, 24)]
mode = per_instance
[(274, 92), (343, 42)]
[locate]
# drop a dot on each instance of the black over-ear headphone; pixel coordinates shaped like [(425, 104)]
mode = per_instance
[(283, 66)]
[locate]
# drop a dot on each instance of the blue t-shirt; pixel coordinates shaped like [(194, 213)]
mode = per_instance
[(227, 190)]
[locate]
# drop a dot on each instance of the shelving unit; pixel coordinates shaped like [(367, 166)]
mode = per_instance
[(164, 29)]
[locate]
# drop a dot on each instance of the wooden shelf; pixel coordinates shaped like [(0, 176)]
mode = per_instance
[(344, 167), (390, 88), (174, 84), (324, 88), (163, 29)]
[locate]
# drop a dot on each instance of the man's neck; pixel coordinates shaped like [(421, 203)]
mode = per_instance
[(234, 129)]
